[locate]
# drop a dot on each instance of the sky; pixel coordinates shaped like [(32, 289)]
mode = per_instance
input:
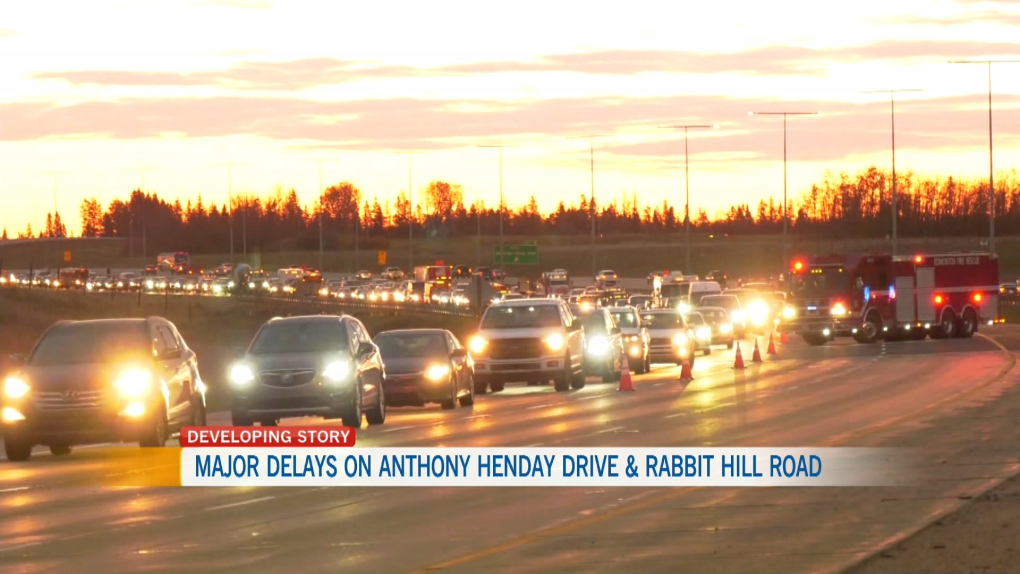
[(97, 95)]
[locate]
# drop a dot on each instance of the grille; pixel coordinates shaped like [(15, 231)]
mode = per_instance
[(287, 379), (516, 348), (68, 400), (517, 367), (661, 342)]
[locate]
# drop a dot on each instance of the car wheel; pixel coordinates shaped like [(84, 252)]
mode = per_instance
[(198, 415), (451, 403), (155, 436), (967, 325), (377, 414), (60, 449), (18, 449), (946, 328), (870, 330), (239, 420), (729, 345), (469, 399), (481, 387), (269, 421), (497, 386), (351, 414), (814, 339), (707, 350)]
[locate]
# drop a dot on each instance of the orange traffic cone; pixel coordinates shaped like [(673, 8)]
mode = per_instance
[(685, 371), (626, 383), (739, 362), (772, 346), (756, 357), (783, 339)]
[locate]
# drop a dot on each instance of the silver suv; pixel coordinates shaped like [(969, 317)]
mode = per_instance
[(530, 340)]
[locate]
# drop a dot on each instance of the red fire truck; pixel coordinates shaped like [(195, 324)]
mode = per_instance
[(891, 297)]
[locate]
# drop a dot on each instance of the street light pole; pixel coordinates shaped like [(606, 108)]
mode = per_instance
[(230, 199), (991, 167), (141, 171), (892, 114), (786, 216), (687, 186), (500, 148), (38, 232), (591, 204)]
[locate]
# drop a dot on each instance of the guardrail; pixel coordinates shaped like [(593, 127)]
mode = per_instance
[(393, 307)]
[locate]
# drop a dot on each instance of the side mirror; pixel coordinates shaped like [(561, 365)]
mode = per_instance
[(458, 353), (18, 359), (365, 349)]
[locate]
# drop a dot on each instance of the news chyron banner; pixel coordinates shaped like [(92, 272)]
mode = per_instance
[(328, 456)]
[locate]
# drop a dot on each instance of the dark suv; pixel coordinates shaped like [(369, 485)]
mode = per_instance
[(94, 381), (322, 365)]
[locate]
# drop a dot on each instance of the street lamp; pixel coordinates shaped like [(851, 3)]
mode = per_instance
[(892, 114), (410, 211), (991, 169), (141, 171), (785, 214), (687, 185), (322, 192), (591, 205), (500, 148), (230, 200)]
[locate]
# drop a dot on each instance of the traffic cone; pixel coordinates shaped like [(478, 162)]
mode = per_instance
[(685, 371), (783, 339), (739, 362), (626, 383), (772, 346), (756, 357)]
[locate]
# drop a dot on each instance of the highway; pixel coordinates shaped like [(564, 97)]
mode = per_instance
[(956, 399)]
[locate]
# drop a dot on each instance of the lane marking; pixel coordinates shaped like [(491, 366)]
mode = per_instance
[(243, 503), (16, 489), (614, 429), (542, 406), (395, 429), (20, 546)]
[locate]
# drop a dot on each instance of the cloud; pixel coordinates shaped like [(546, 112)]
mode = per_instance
[(999, 17), (409, 123), (768, 60), (244, 4)]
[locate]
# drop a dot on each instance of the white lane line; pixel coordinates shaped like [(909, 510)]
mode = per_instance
[(20, 546), (16, 489), (658, 384), (673, 416), (476, 417), (594, 397), (252, 501), (395, 429), (542, 406), (610, 430)]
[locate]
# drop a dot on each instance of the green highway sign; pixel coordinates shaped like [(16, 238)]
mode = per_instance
[(517, 255)]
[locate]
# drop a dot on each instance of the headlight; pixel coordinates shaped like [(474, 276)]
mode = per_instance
[(789, 312), (737, 316), (438, 372), (477, 345), (680, 340), (15, 388), (684, 308), (241, 375), (704, 333), (217, 288), (133, 383), (838, 310), (554, 342), (725, 327), (336, 370), (598, 346), (586, 306), (759, 312), (265, 284), (634, 338), (251, 284), (149, 284)]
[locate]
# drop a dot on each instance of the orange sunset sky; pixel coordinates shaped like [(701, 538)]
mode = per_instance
[(96, 89)]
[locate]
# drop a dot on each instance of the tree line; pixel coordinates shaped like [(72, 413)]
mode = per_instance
[(844, 205)]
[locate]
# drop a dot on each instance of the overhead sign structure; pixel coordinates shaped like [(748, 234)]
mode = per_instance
[(517, 255)]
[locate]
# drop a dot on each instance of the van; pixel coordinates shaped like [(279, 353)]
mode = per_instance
[(691, 293)]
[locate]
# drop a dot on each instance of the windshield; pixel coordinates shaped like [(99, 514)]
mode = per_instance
[(594, 322), (663, 320), (713, 315), (673, 290), (403, 345), (625, 319), (521, 317), (695, 319), (725, 301), (103, 342), (821, 282), (311, 337)]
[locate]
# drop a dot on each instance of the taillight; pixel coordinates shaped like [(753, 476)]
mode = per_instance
[(938, 299), (977, 297)]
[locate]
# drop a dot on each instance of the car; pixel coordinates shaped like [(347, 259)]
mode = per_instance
[(463, 271), (363, 274), (733, 307), (635, 338), (86, 382), (606, 278), (528, 340), (603, 345), (758, 312), (670, 338), (640, 301), (718, 320), (426, 366), (575, 292), (309, 365), (221, 286), (702, 332), (393, 273)]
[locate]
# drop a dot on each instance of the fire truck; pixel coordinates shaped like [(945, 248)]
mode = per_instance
[(556, 283), (891, 297)]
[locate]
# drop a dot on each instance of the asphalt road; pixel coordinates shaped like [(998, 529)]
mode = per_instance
[(947, 397)]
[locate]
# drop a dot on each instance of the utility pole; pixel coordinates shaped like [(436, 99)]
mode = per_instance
[(322, 194), (591, 205), (687, 185), (501, 202), (230, 204), (141, 171)]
